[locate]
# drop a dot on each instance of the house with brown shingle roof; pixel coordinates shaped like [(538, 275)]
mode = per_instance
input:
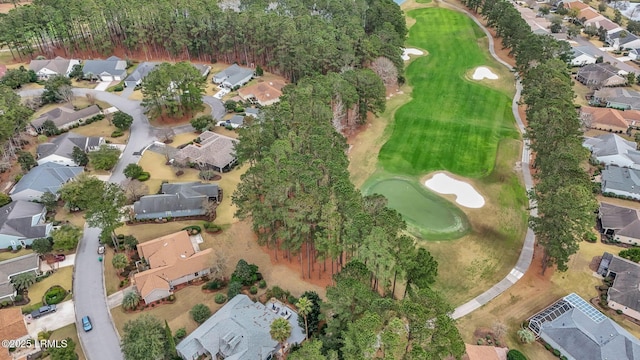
[(171, 260), (609, 119), (12, 327), (263, 93), (215, 151), (479, 352)]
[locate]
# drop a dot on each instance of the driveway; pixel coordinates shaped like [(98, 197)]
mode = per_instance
[(128, 91), (69, 261), (217, 107), (63, 316), (102, 86)]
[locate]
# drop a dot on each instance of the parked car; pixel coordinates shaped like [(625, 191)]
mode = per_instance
[(59, 257), (100, 250), (86, 324), (44, 310)]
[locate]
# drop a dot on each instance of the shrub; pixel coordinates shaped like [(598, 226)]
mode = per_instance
[(211, 227), (591, 237), (54, 295), (19, 247), (619, 312), (547, 346), (245, 273), (234, 289), (206, 174), (212, 285), (514, 354), (200, 312), (556, 352), (253, 290), (262, 284), (19, 298), (181, 333), (220, 298), (292, 299), (118, 88), (190, 228), (144, 176)]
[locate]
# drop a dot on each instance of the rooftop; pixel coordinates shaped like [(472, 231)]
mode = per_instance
[(625, 290), (239, 331), (621, 179), (47, 177), (63, 145), (17, 219), (64, 115), (214, 149), (581, 332)]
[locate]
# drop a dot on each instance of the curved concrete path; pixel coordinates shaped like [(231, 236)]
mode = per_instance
[(526, 255)]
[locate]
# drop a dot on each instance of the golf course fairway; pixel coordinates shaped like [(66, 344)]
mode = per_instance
[(452, 123), (427, 214)]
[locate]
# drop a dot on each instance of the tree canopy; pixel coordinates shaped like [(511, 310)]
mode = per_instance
[(105, 158), (173, 89), (144, 338)]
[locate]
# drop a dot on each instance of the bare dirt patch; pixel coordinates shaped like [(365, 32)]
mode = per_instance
[(6, 7)]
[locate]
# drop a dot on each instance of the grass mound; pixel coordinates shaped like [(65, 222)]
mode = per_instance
[(451, 123)]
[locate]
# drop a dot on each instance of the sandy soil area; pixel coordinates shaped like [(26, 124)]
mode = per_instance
[(466, 195), (410, 51), (482, 73)]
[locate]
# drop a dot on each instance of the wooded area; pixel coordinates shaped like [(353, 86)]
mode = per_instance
[(292, 38), (563, 192)]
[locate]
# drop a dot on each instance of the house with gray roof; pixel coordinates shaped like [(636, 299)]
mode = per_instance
[(617, 98), (235, 121), (48, 177), (13, 267), (214, 152), (177, 200), (111, 69), (233, 76), (21, 222), (45, 69), (621, 181), (240, 330), (135, 78), (620, 223), (583, 55), (624, 294), (204, 69), (623, 39), (65, 116), (60, 149), (613, 150), (601, 75), (581, 332)]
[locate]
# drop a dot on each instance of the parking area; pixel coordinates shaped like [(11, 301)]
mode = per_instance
[(64, 315)]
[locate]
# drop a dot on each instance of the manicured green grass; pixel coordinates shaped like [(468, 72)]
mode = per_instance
[(452, 123), (427, 214)]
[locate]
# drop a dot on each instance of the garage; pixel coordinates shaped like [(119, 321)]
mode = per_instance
[(107, 78)]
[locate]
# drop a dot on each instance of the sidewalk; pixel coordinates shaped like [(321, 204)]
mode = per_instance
[(115, 299)]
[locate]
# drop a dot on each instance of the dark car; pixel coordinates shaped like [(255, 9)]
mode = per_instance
[(44, 310), (86, 324), (59, 257)]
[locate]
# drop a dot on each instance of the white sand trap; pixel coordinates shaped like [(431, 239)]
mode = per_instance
[(465, 194), (484, 73), (410, 51)]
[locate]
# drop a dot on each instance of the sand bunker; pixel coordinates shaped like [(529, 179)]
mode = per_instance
[(409, 51), (484, 73), (465, 194)]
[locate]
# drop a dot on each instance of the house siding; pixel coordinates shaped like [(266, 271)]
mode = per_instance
[(8, 240), (619, 192), (629, 312), (239, 83), (190, 277), (156, 295), (167, 214), (627, 240)]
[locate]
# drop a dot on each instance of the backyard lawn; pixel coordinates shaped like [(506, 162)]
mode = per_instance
[(62, 277), (103, 129), (451, 123)]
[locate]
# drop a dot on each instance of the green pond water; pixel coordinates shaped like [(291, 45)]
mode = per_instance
[(428, 215)]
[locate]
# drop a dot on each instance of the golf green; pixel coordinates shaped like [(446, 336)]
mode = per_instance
[(427, 215), (451, 123)]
